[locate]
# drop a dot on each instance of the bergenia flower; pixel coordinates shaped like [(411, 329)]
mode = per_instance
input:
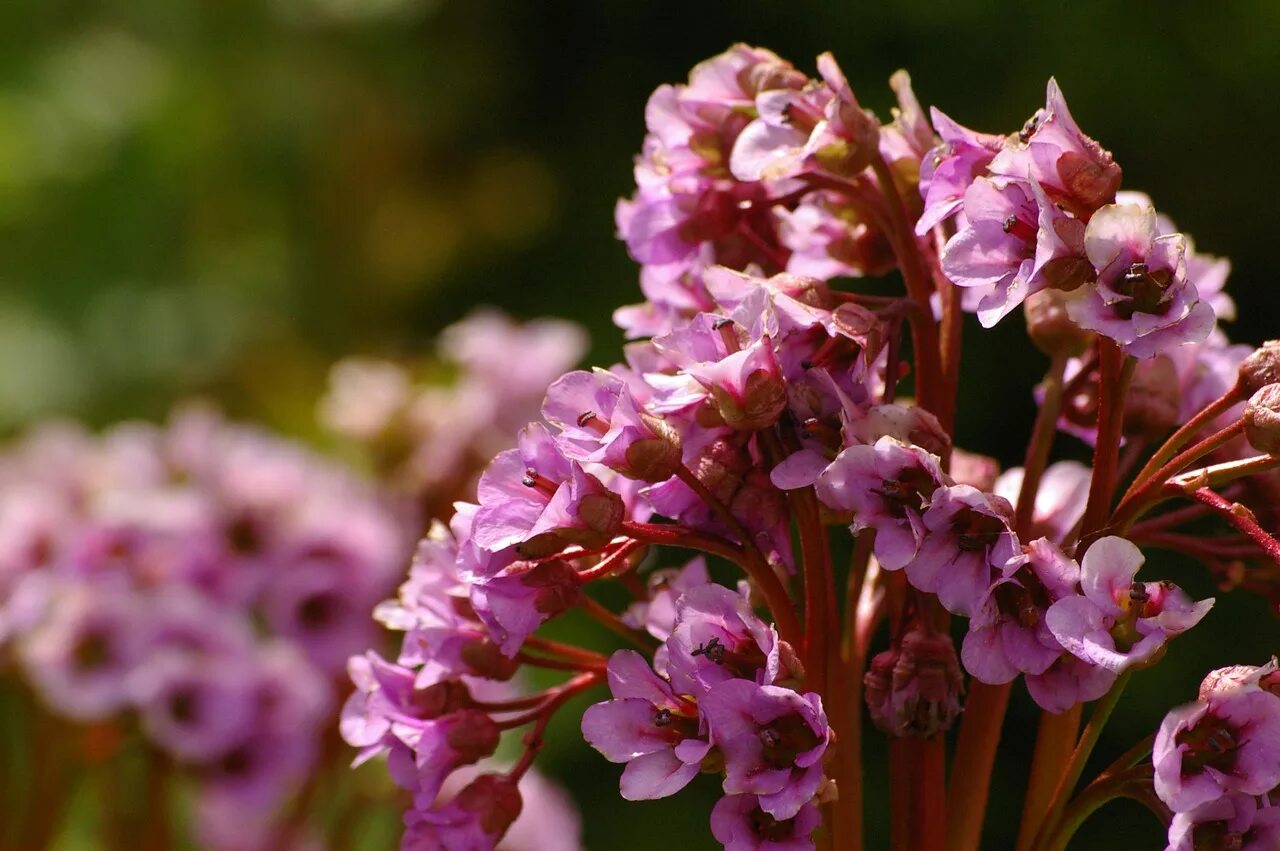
[(772, 740), (476, 818), (536, 497), (1232, 821), (739, 824), (718, 637), (1051, 151), (887, 487), (1117, 623), (1008, 634), (1227, 743), (948, 170), (655, 731), (1060, 500), (1143, 299), (967, 542)]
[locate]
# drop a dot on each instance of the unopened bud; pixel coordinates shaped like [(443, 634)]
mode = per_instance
[(924, 686), (496, 801), (908, 423), (1154, 399), (764, 398), (1260, 368), (1050, 328), (656, 458), (1262, 420), (484, 658), (471, 734)]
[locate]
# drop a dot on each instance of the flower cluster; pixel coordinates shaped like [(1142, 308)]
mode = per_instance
[(429, 428), (1217, 762), (205, 578), (756, 415)]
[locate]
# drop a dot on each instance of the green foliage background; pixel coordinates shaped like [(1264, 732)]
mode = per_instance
[(223, 196)]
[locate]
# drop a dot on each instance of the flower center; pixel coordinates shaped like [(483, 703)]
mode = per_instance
[(1212, 742), (1148, 290), (784, 739)]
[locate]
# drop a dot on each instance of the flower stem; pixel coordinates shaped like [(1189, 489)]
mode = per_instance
[(771, 587), (542, 716), (1037, 457), (1133, 783), (1180, 437), (614, 624), (1075, 767), (1242, 519), (972, 762), (924, 330), (1055, 738), (1115, 370), (1142, 495)]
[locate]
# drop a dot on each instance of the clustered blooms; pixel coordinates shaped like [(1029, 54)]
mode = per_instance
[(757, 409), (1217, 762), (429, 428), (205, 578)]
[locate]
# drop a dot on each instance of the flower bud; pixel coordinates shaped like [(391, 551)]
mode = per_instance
[(656, 458), (1262, 420), (915, 690), (494, 799), (1260, 368), (485, 659), (1154, 399), (1049, 326), (762, 401)]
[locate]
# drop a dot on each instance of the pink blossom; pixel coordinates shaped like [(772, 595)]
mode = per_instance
[(648, 726), (740, 824), (1117, 623)]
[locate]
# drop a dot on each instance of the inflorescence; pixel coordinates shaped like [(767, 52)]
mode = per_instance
[(757, 421)]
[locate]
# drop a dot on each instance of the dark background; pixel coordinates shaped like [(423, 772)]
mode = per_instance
[(223, 196)]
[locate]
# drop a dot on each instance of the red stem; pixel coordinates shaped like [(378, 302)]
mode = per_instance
[(1114, 370), (1141, 494), (771, 587), (1242, 519)]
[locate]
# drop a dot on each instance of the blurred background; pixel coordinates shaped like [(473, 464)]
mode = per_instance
[(222, 197)]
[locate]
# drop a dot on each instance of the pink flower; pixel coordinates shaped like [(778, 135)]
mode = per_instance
[(887, 487), (739, 824), (967, 542), (1074, 170), (1007, 632), (657, 614), (656, 732), (772, 740), (949, 169), (475, 820), (1117, 623), (1232, 821), (1143, 299), (718, 637), (521, 597), (1228, 743), (536, 497), (1013, 243)]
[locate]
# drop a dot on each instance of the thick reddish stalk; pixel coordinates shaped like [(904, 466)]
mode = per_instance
[(974, 757), (1115, 370), (1055, 739)]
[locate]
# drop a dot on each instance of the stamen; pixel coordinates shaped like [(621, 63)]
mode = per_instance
[(727, 333), (593, 421), (533, 479)]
